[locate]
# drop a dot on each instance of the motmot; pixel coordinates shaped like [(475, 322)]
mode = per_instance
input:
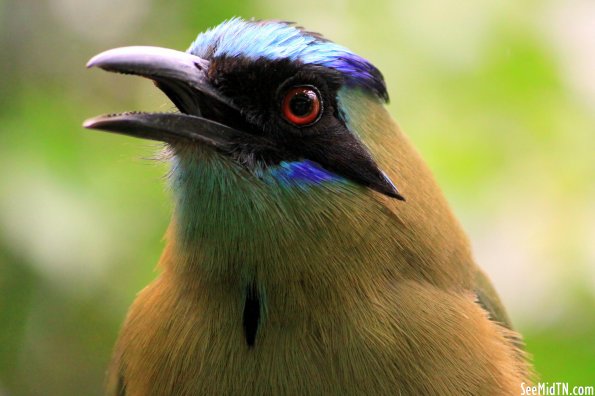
[(310, 250)]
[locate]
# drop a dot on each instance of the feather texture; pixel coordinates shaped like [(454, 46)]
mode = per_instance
[(359, 294)]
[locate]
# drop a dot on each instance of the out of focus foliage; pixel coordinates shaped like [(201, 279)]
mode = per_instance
[(499, 96)]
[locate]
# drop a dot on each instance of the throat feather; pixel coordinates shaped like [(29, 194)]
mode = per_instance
[(251, 316), (302, 173)]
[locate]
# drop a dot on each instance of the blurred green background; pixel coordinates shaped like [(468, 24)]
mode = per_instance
[(499, 96)]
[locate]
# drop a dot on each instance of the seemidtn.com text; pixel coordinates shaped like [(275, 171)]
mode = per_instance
[(556, 389)]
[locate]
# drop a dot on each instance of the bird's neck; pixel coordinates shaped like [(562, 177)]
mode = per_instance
[(250, 230), (274, 251)]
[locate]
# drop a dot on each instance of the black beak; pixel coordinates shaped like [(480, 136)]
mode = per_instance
[(182, 77)]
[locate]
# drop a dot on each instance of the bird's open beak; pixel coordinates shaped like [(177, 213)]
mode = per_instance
[(182, 77)]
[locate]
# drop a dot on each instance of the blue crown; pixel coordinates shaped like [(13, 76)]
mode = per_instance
[(276, 40)]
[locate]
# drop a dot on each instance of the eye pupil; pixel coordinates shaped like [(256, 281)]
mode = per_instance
[(301, 104)]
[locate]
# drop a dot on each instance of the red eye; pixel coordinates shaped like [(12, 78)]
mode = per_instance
[(301, 105)]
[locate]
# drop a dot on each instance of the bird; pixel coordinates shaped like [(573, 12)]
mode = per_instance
[(310, 249)]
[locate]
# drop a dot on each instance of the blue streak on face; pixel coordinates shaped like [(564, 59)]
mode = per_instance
[(302, 174), (279, 40)]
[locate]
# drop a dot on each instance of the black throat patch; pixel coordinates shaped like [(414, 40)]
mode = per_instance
[(251, 316)]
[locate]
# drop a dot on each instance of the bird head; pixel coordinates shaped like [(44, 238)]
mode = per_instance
[(265, 95), (280, 133)]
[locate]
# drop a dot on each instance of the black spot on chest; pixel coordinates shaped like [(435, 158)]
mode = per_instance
[(251, 316)]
